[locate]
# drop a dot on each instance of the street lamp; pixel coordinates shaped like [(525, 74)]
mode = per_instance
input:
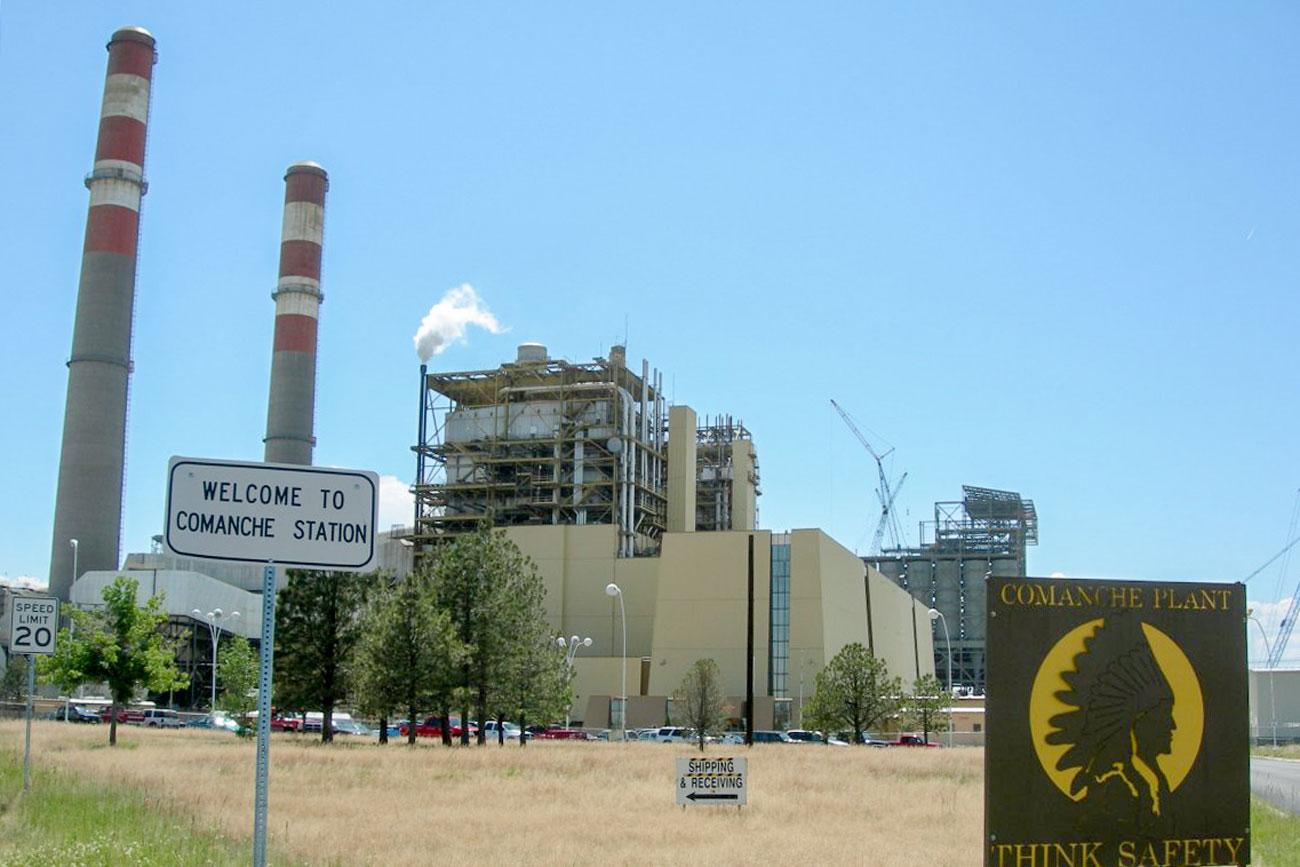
[(612, 589), (1272, 710), (72, 625), (215, 631), (572, 644), (936, 614)]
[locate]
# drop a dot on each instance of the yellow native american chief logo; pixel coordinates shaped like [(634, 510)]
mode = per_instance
[(1116, 707)]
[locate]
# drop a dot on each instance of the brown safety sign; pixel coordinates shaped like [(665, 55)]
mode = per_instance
[(1117, 724)]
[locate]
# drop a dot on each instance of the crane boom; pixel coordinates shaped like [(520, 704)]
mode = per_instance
[(885, 492)]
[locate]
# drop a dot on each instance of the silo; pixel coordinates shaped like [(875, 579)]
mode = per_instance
[(88, 504)]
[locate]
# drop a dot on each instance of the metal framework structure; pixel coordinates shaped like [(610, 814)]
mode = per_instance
[(982, 535), (543, 441), (716, 471)]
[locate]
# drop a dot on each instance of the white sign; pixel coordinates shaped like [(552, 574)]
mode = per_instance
[(715, 781), (291, 515), (33, 621)]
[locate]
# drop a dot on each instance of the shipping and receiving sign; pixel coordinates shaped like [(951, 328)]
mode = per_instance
[(33, 623), (291, 515), (712, 781), (1117, 724)]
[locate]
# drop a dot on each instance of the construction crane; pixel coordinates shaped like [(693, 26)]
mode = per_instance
[(1288, 622), (886, 493)]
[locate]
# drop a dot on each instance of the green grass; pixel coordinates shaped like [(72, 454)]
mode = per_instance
[(67, 821), (1275, 836)]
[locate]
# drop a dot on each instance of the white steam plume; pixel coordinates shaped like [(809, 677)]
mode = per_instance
[(447, 320)]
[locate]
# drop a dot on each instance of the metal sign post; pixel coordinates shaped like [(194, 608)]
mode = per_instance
[(270, 513), (27, 741), (33, 621), (264, 716)]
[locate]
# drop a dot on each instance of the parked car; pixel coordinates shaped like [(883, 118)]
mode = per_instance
[(805, 736), (673, 735), (732, 738), (432, 728), (512, 730), (912, 741), (349, 727), (286, 724), (772, 737), (76, 714), (214, 721), (128, 715), (559, 733), (163, 719)]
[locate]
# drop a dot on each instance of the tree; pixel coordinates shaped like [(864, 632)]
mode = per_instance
[(700, 701), (120, 645), (927, 707), (407, 644), (854, 691), (13, 687), (317, 627), (493, 595), (238, 668)]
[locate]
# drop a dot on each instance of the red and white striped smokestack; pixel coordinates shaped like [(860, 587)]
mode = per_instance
[(88, 507), (291, 408)]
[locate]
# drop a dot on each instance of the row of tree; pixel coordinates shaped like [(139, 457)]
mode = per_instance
[(467, 632), (854, 693)]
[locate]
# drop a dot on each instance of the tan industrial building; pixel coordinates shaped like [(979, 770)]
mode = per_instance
[(599, 482)]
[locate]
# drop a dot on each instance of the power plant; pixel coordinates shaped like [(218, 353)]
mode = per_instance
[(88, 504), (586, 467)]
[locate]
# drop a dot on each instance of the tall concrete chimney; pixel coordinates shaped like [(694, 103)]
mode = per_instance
[(88, 506), (291, 408)]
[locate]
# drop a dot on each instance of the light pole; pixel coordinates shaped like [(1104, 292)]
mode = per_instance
[(936, 614), (215, 631), (572, 644), (72, 625), (612, 589), (1272, 703)]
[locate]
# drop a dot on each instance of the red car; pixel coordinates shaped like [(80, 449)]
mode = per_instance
[(912, 741), (563, 734), (432, 728), (129, 715), (285, 724)]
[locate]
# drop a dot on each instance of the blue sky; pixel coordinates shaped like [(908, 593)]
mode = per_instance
[(1044, 249)]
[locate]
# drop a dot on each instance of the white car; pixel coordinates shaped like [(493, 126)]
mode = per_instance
[(673, 735), (162, 718), (511, 730)]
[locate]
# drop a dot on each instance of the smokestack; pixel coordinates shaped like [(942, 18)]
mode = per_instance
[(88, 505), (291, 409)]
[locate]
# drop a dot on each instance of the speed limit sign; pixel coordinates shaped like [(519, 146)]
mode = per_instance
[(33, 620)]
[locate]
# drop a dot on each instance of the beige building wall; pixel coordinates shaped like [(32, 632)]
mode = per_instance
[(744, 497), (681, 469), (700, 612), (900, 629), (689, 604)]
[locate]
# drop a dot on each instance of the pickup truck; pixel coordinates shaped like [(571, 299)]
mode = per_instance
[(912, 741), (431, 727)]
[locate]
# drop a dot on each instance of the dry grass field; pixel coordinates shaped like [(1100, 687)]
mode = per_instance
[(548, 803)]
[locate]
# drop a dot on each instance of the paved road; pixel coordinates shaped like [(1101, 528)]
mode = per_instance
[(1276, 781)]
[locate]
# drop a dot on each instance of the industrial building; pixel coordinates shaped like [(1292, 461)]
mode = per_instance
[(983, 534), (584, 465), (598, 482)]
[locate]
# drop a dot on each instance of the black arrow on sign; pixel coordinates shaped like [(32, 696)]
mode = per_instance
[(697, 797)]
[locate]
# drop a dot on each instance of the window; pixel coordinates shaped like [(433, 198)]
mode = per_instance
[(778, 638)]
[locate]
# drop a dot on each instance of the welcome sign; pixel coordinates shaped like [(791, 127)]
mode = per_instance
[(1117, 724)]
